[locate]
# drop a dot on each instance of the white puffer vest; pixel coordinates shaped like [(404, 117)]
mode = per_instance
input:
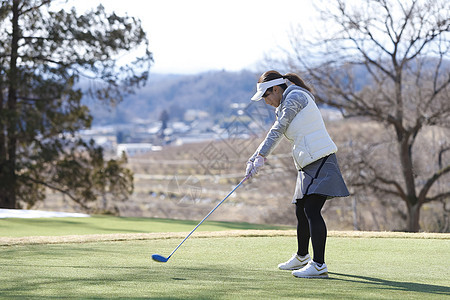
[(309, 136)]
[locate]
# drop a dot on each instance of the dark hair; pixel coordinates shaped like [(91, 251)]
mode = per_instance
[(292, 77)]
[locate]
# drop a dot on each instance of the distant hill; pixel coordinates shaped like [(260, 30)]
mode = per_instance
[(212, 92)]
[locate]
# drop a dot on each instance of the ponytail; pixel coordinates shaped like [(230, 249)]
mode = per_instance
[(295, 79)]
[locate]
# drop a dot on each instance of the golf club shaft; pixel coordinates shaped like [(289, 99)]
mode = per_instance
[(242, 181)]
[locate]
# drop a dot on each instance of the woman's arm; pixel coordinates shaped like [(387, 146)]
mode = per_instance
[(291, 106)]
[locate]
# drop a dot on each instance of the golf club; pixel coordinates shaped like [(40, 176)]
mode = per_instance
[(160, 258)]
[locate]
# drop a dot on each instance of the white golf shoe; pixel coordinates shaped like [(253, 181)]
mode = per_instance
[(312, 270), (296, 262)]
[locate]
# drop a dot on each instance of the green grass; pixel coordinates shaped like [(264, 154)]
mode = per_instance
[(225, 268), (108, 224), (240, 267)]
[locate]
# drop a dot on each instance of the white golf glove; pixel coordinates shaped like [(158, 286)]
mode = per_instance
[(253, 167), (249, 169), (258, 163)]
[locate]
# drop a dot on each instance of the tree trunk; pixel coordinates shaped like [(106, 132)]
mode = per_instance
[(413, 217), (8, 167), (406, 164), (3, 185)]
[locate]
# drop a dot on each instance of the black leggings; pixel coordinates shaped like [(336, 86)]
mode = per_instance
[(311, 225)]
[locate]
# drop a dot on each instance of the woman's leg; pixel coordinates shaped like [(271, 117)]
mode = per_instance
[(318, 230), (303, 233)]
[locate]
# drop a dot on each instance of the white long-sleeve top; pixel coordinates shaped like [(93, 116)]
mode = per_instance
[(300, 121)]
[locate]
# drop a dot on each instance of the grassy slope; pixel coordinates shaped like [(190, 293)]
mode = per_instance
[(225, 268), (107, 225)]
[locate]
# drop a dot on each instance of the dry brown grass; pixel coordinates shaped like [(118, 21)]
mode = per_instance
[(94, 238)]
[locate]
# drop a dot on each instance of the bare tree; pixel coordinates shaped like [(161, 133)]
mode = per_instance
[(387, 61)]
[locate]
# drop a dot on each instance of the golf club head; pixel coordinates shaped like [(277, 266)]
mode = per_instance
[(159, 258)]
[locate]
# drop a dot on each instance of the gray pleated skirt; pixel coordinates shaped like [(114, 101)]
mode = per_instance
[(321, 177)]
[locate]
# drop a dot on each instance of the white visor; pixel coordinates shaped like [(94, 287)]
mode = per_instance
[(262, 87)]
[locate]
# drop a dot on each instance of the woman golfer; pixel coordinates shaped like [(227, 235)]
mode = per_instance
[(319, 177)]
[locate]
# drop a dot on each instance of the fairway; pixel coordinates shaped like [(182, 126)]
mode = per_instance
[(238, 267), (110, 225)]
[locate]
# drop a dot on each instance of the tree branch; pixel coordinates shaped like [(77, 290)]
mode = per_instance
[(441, 153), (389, 22), (438, 90), (439, 197), (431, 181), (370, 35), (400, 192), (406, 19), (378, 189), (45, 2), (427, 39), (370, 60), (50, 186)]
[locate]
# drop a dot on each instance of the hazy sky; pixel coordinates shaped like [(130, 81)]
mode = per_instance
[(191, 36)]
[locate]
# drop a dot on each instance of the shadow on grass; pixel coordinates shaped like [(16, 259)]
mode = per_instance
[(394, 285), (135, 282)]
